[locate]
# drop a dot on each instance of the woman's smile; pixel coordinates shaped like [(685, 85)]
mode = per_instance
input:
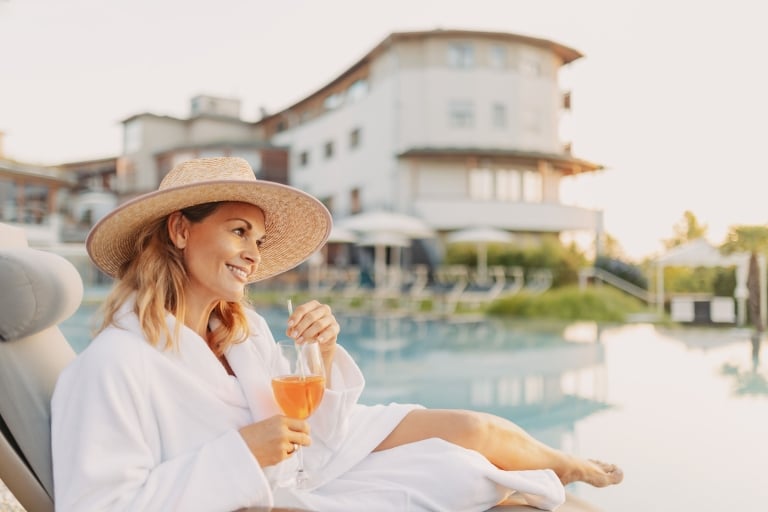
[(239, 272)]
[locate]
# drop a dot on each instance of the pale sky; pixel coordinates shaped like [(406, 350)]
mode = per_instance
[(671, 96)]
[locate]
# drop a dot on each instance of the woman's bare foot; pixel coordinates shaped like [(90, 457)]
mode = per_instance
[(593, 472)]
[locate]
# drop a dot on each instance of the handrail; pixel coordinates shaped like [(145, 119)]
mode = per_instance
[(616, 281)]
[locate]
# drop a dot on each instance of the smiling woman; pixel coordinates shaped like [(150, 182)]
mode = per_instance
[(171, 406)]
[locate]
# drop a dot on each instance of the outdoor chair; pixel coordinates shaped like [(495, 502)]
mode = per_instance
[(476, 295), (515, 280), (539, 280), (39, 290)]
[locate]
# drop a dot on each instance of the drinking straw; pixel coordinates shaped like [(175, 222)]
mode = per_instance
[(299, 364)]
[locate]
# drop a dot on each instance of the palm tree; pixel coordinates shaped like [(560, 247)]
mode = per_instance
[(754, 240)]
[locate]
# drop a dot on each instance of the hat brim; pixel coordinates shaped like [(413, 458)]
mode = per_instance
[(297, 224)]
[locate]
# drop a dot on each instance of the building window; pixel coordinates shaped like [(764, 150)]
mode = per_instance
[(530, 66), (328, 149), (355, 203), (499, 115), (304, 158), (333, 101), (532, 187), (461, 114), (461, 55), (8, 200), (497, 57), (354, 138), (508, 185), (35, 203), (358, 90), (480, 184)]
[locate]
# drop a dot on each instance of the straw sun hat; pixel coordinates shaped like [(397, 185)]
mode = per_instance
[(297, 224)]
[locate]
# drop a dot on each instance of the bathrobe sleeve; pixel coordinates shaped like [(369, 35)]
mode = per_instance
[(331, 420), (108, 452)]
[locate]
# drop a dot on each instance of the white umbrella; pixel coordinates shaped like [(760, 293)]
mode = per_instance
[(341, 235), (481, 236), (384, 239), (383, 229), (389, 222)]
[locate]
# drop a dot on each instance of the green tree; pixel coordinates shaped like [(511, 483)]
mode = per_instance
[(754, 240), (612, 248), (686, 229)]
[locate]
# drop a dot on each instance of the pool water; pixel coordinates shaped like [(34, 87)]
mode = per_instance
[(684, 411)]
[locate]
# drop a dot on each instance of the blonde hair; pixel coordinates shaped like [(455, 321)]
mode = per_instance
[(157, 278)]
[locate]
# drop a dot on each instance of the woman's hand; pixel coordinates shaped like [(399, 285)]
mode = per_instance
[(272, 440), (315, 321)]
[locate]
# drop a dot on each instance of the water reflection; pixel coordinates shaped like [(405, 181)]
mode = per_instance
[(704, 339), (543, 378), (752, 380), (747, 376)]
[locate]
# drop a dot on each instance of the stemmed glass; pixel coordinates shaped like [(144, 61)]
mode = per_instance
[(298, 384)]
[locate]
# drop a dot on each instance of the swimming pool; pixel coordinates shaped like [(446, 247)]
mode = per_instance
[(683, 411)]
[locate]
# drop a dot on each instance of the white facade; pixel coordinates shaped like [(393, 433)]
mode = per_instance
[(456, 127)]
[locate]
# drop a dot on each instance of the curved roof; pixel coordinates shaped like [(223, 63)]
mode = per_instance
[(564, 52)]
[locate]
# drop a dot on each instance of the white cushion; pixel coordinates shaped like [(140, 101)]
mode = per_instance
[(39, 289)]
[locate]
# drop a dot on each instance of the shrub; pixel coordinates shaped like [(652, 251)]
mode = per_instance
[(569, 303)]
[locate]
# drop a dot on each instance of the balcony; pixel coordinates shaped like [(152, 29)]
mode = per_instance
[(514, 216)]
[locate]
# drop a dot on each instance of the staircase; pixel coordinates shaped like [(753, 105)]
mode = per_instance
[(597, 273)]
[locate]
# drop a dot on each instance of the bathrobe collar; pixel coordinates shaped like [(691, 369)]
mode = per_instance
[(192, 352)]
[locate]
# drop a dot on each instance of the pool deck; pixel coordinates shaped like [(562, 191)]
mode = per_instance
[(572, 504)]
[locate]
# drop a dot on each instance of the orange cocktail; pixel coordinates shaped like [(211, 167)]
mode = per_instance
[(298, 396)]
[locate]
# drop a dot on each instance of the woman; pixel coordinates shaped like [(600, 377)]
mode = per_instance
[(170, 406)]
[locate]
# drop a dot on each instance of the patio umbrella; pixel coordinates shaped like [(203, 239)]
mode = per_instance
[(481, 236), (388, 222), (341, 235), (317, 263), (383, 229)]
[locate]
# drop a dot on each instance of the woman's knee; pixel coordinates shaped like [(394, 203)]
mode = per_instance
[(471, 429)]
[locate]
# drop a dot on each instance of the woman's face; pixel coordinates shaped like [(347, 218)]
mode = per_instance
[(221, 251)]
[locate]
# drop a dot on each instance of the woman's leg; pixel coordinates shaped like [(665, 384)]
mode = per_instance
[(503, 443)]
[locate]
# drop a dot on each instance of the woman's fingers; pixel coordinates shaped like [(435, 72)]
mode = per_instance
[(313, 321), (273, 440)]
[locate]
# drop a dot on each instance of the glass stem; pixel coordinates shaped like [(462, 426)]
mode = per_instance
[(301, 476)]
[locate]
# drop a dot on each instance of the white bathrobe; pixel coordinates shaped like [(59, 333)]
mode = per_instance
[(142, 429)]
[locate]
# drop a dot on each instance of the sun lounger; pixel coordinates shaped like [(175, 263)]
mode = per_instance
[(40, 289), (539, 280)]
